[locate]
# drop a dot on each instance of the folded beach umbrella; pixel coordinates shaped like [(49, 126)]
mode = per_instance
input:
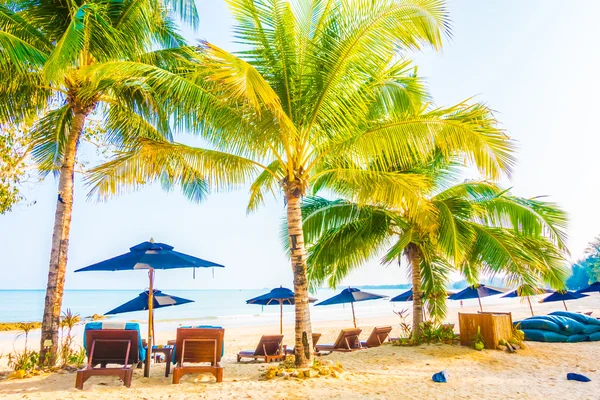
[(150, 256), (351, 295), (475, 292), (594, 287), (526, 291), (279, 296), (563, 295)]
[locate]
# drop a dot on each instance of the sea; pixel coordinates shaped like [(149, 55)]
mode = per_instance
[(225, 308)]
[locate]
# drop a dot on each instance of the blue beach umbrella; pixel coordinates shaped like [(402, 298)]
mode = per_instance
[(594, 287), (351, 295), (150, 256), (406, 296), (523, 291), (279, 296), (563, 295), (140, 303), (475, 292)]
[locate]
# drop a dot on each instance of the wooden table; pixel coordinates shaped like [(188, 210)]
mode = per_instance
[(168, 353)]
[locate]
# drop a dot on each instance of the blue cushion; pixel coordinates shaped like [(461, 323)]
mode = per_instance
[(567, 325), (577, 338), (540, 324), (130, 326), (582, 318), (537, 335), (594, 337), (591, 329)]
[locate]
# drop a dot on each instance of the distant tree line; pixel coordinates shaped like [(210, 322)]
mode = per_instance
[(587, 270)]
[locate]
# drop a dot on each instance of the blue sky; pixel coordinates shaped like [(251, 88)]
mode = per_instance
[(535, 62)]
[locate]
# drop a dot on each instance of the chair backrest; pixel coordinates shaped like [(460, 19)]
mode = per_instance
[(134, 326), (198, 345), (269, 345), (378, 335), (112, 346), (348, 338), (315, 338)]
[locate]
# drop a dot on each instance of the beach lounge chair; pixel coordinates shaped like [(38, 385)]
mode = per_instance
[(269, 348), (315, 338), (110, 346), (378, 335), (347, 340), (198, 345)]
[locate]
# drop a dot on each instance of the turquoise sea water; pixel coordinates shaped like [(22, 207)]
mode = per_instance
[(225, 307)]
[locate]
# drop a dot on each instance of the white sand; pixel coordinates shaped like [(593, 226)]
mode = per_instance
[(538, 372)]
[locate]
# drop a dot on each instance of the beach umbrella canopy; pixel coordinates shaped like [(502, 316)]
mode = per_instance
[(475, 292), (350, 295), (594, 287), (522, 291), (140, 303), (150, 256), (563, 296), (406, 296), (278, 296)]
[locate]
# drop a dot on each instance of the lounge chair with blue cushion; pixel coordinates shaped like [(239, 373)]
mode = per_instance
[(110, 343), (198, 346), (269, 348), (347, 340)]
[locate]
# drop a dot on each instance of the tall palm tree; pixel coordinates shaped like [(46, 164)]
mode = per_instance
[(310, 102), (68, 60), (472, 227)]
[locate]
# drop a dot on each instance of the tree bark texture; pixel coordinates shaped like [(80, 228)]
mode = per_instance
[(413, 255), (60, 245), (303, 347)]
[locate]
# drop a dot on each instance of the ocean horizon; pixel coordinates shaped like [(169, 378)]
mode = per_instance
[(224, 306)]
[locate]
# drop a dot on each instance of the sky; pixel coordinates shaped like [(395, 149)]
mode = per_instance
[(536, 63)]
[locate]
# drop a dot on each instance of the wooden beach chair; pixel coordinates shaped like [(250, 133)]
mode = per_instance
[(315, 340), (269, 348), (378, 335), (198, 345), (110, 346), (347, 340)]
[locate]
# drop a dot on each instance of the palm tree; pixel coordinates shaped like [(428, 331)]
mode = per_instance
[(68, 60), (319, 92), (472, 227)]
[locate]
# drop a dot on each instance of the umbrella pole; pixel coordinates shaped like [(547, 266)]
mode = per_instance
[(530, 307), (353, 316), (480, 306), (565, 305), (150, 321), (280, 317)]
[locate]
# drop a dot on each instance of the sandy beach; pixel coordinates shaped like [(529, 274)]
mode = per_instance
[(387, 372)]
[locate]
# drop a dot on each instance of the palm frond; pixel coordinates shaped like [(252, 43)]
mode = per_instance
[(172, 165)]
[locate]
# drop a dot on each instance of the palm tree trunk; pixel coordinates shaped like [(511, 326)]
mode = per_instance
[(303, 330), (60, 245), (414, 261)]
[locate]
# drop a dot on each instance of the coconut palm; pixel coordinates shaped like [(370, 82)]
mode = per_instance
[(471, 227), (70, 60), (319, 92)]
